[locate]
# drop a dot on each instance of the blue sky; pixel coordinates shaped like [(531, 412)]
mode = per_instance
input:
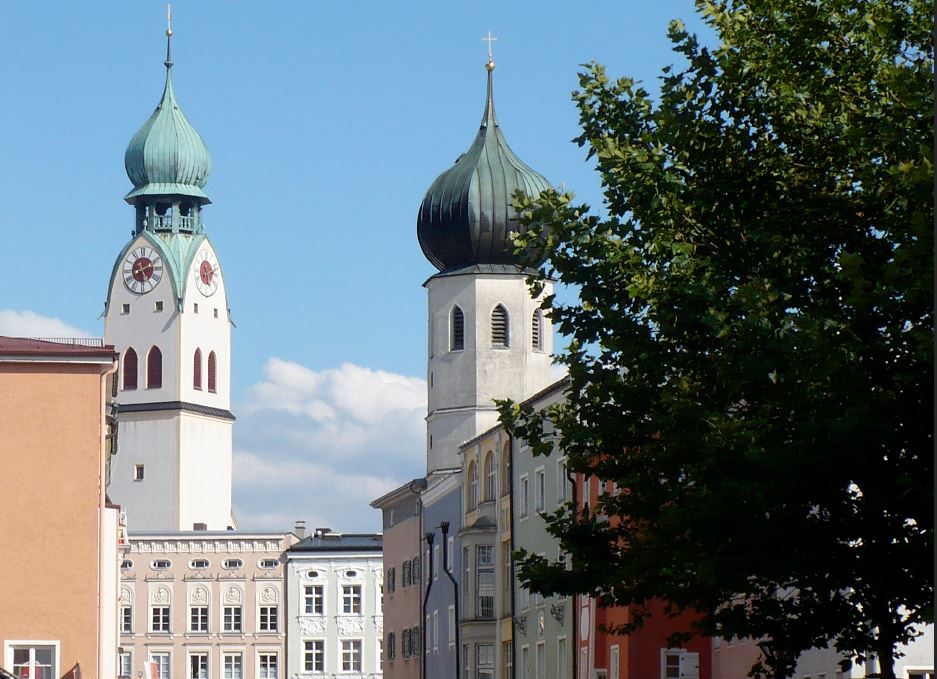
[(326, 123)]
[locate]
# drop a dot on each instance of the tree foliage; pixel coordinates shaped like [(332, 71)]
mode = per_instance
[(751, 352)]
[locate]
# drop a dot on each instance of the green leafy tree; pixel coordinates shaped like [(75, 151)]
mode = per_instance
[(751, 352)]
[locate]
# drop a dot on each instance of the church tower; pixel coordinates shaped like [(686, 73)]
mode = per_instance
[(487, 337), (167, 315)]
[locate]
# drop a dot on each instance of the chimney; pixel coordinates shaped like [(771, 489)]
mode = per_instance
[(322, 532), (300, 529)]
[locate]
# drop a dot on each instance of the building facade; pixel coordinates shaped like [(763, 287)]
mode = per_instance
[(57, 524), (335, 601), (204, 604)]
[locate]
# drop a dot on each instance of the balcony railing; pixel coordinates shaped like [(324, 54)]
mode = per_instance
[(164, 222), (95, 342)]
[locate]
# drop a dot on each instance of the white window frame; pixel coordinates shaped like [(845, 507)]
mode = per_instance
[(540, 489), (10, 646), (525, 661), (450, 552), (523, 505), (562, 483), (265, 627), (206, 620), (262, 672), (352, 595), (228, 626), (162, 653), (435, 631), (562, 669), (450, 626), (351, 650), (540, 660), (190, 655), (225, 655), (128, 654), (168, 619), (314, 593), (614, 661), (316, 652), (124, 618)]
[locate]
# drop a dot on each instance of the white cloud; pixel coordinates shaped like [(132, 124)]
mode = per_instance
[(321, 445), (30, 324)]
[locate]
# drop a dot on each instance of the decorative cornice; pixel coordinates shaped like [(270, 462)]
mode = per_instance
[(176, 405)]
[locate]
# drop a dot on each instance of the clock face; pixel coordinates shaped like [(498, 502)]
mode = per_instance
[(205, 270), (142, 270)]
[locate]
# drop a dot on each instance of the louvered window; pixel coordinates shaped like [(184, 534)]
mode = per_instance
[(197, 370), (536, 331), (212, 373), (114, 385), (130, 369), (154, 369), (457, 331), (499, 327)]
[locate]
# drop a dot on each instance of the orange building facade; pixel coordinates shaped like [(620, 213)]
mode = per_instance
[(59, 562)]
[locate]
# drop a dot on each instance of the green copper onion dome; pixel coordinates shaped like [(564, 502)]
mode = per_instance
[(466, 217), (167, 156)]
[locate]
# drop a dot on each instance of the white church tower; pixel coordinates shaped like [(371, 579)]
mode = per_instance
[(487, 337), (167, 315)]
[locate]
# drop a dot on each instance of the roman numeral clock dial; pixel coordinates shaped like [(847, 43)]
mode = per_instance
[(205, 270), (142, 270)]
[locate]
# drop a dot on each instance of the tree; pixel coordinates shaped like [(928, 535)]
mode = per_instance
[(751, 352)]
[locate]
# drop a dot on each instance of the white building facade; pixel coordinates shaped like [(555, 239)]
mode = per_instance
[(334, 594)]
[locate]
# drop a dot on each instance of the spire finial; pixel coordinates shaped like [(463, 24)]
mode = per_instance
[(168, 61), (490, 64)]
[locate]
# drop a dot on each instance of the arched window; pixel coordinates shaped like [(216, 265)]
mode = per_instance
[(130, 369), (490, 489), (212, 373), (197, 370), (457, 330), (536, 331), (499, 327), (154, 369), (506, 469), (473, 486)]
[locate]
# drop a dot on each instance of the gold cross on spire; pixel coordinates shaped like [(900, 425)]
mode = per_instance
[(168, 19), (491, 62)]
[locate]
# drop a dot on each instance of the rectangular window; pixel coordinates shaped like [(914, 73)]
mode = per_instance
[(614, 662), (450, 553), (436, 631), (540, 489), (198, 619), (351, 599), (405, 577), (523, 595), (232, 619), (525, 662), (216, 313), (269, 619), (405, 643), (562, 662), (450, 627), (484, 661), (233, 666), (670, 664), (391, 645), (158, 306), (485, 585), (416, 570), (562, 482), (314, 655), (161, 664), (351, 655), (466, 661), (506, 579), (126, 619), (524, 498), (507, 658), (195, 307), (159, 619), (138, 472), (466, 578), (313, 600), (268, 665), (429, 634), (124, 664), (435, 562), (125, 309), (541, 661), (198, 666)]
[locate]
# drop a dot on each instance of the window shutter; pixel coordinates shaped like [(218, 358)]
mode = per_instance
[(457, 332), (499, 327), (212, 373), (130, 369), (154, 369), (197, 370), (114, 383), (689, 665), (536, 332)]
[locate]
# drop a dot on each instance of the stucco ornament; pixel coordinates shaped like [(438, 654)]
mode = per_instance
[(160, 596), (312, 626), (125, 596), (349, 625), (378, 622), (232, 595), (268, 595), (199, 596)]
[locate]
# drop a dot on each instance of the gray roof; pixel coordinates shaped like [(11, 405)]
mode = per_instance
[(341, 542)]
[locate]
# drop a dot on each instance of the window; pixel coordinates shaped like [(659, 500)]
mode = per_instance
[(198, 564), (130, 369), (157, 306), (160, 564), (484, 661), (268, 564), (405, 643), (391, 580), (405, 576), (216, 313), (351, 599), (473, 486), (231, 620), (268, 665), (506, 579), (414, 640), (457, 330), (466, 661), (506, 469), (391, 646), (540, 489), (541, 661), (114, 383), (523, 594), (161, 661), (485, 587), (126, 619), (562, 664), (676, 663), (197, 370), (124, 664), (466, 578), (450, 553), (499, 327), (126, 565), (198, 666), (524, 496), (490, 476), (154, 369), (536, 331), (269, 618), (124, 309), (232, 564), (212, 373), (435, 562), (525, 662), (198, 619), (351, 655), (450, 626), (138, 472), (195, 308), (429, 634), (233, 666), (34, 662), (314, 655), (562, 481), (159, 619), (670, 664), (435, 631), (415, 571)]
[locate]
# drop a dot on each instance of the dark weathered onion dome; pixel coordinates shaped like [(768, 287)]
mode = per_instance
[(467, 214)]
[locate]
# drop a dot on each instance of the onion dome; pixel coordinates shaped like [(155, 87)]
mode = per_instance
[(467, 216), (167, 156)]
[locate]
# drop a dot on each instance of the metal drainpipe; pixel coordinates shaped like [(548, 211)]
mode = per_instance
[(575, 598), (419, 506), (429, 585), (455, 592), (511, 521)]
